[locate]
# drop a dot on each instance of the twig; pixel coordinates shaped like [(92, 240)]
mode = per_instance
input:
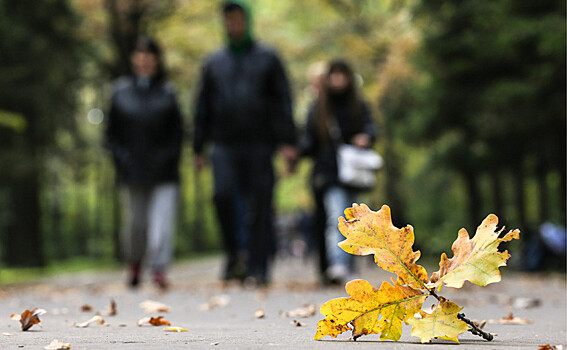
[(474, 328)]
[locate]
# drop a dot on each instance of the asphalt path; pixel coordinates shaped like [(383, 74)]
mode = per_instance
[(240, 317)]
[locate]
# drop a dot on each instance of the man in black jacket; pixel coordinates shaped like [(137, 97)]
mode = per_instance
[(244, 107)]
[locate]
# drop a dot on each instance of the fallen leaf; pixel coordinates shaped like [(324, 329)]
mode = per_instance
[(156, 321), (441, 323), (112, 309), (259, 313), (215, 343), (550, 347), (476, 260), (175, 329), (370, 232), (7, 334), (86, 308), (28, 318), (510, 319), (370, 310), (95, 319), (151, 307), (305, 311), (57, 345), (215, 301), (297, 323)]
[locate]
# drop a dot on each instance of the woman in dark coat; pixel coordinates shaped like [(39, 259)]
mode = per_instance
[(144, 134), (339, 115)]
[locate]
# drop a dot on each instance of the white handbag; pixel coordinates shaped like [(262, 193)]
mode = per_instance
[(357, 166)]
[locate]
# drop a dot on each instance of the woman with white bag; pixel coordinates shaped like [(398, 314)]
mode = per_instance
[(339, 125)]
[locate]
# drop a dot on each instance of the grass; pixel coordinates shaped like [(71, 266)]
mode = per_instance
[(17, 275)]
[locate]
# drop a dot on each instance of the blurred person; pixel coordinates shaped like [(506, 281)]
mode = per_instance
[(144, 134), (243, 107), (339, 114), (316, 76)]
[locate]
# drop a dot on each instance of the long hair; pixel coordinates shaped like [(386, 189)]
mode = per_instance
[(146, 43), (325, 106)]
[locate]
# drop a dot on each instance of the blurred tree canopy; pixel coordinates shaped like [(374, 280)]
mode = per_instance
[(469, 97)]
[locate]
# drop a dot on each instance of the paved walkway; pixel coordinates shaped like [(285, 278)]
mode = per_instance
[(233, 324)]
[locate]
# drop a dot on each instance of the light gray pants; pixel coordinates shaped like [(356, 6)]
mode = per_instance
[(150, 218)]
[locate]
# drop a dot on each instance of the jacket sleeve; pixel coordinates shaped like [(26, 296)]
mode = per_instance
[(282, 122), (113, 140), (202, 122)]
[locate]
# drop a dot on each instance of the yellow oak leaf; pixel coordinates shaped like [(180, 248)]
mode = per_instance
[(370, 232), (370, 310), (441, 323), (476, 260)]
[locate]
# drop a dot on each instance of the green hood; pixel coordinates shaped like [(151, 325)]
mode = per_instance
[(240, 47)]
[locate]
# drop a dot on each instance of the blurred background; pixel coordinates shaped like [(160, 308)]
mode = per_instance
[(469, 97)]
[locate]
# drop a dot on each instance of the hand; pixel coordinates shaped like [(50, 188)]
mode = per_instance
[(290, 154), (361, 140), (199, 162)]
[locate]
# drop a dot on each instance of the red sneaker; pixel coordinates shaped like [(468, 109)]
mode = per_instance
[(160, 280)]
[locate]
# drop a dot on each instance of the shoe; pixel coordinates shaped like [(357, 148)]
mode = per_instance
[(235, 269), (160, 280), (337, 274), (135, 272)]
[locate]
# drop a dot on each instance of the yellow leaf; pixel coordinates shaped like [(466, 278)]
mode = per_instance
[(442, 323), (175, 329), (476, 260), (370, 311), (369, 232)]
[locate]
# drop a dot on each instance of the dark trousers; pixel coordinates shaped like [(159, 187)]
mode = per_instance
[(244, 176)]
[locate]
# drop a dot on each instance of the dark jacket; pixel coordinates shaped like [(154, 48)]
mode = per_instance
[(144, 132), (323, 150), (243, 98)]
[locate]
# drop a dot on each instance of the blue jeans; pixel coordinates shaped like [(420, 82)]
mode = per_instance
[(336, 199)]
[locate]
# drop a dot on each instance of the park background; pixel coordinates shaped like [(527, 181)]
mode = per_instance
[(469, 97)]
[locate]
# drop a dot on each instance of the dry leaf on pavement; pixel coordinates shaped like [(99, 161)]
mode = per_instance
[(156, 321), (259, 313), (151, 307), (305, 311), (175, 329), (28, 318), (297, 323), (98, 319), (111, 310), (550, 347), (57, 345), (86, 308)]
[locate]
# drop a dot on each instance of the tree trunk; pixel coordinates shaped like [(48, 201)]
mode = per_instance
[(473, 196), (520, 195), (497, 193), (23, 246), (543, 198)]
